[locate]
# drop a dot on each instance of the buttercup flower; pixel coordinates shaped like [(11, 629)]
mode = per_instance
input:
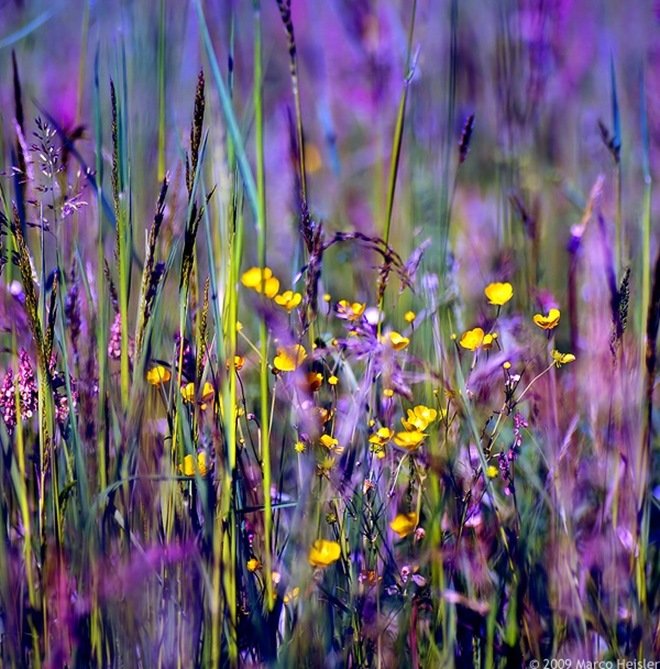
[(288, 299), (396, 340), (409, 440), (472, 339), (188, 392), (381, 436), (289, 358), (409, 316), (419, 418), (562, 358), (253, 564), (158, 375), (350, 311), (328, 441), (188, 467), (498, 293), (548, 322), (263, 282), (404, 524), (323, 553)]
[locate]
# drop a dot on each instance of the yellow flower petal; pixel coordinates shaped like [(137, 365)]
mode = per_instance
[(498, 293), (188, 467), (404, 524), (472, 339), (323, 553), (158, 375), (396, 340), (289, 358), (409, 440), (381, 436), (333, 380), (548, 322), (207, 392)]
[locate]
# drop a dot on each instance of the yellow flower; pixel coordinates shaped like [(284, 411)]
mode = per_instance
[(409, 440), (404, 524), (498, 293), (409, 316), (350, 311), (289, 358), (492, 471), (548, 322), (291, 595), (264, 282), (562, 358), (299, 446), (188, 467), (489, 338), (388, 392), (253, 564), (188, 392), (378, 450), (472, 339), (158, 375), (333, 380), (288, 299), (327, 297), (419, 418), (207, 392), (396, 340), (381, 436), (323, 553), (328, 441), (239, 361)]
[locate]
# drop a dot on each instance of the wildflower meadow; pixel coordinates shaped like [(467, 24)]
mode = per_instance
[(329, 334)]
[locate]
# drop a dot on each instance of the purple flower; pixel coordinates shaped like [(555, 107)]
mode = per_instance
[(8, 401), (27, 386)]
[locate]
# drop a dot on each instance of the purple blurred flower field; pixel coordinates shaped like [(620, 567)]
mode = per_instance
[(329, 333)]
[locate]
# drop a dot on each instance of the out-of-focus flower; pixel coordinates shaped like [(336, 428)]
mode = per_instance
[(263, 282), (188, 467), (289, 358), (381, 436), (472, 339), (314, 381), (492, 471), (489, 340), (350, 311), (188, 392), (158, 375), (299, 446), (409, 316), (114, 341), (396, 340), (548, 322), (239, 361), (562, 358), (27, 386), (404, 524), (291, 595), (419, 418), (288, 299), (498, 293), (8, 401), (253, 564), (324, 552), (208, 393), (409, 440), (328, 441), (333, 380)]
